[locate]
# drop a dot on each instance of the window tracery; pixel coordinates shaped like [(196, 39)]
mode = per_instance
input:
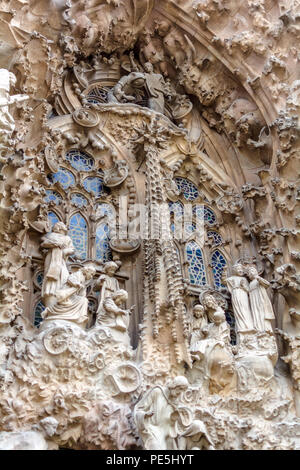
[(187, 220), (87, 184), (79, 160), (78, 232), (218, 263), (39, 308)]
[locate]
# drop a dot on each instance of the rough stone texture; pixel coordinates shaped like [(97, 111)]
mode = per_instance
[(154, 95)]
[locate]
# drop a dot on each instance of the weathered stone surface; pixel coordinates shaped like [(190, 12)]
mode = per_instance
[(149, 224)]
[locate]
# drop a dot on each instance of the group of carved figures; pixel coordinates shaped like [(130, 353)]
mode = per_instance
[(251, 304), (65, 295)]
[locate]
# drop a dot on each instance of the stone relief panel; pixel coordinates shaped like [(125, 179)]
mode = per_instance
[(149, 227)]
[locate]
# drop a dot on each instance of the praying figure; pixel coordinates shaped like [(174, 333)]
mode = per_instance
[(261, 306), (60, 247)]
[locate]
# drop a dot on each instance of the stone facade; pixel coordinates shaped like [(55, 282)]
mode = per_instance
[(149, 213)]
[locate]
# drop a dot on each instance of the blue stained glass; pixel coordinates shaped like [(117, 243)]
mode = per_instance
[(39, 308), (214, 237), (196, 265), (201, 211), (79, 200), (79, 234), (94, 184), (105, 210), (97, 95), (64, 177), (103, 251), (52, 196), (218, 263), (52, 217), (79, 160), (176, 208), (39, 278), (187, 188)]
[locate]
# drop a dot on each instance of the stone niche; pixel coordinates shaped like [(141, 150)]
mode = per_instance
[(149, 225)]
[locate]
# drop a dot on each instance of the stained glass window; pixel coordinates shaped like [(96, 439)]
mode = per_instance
[(188, 189), (80, 160), (103, 251), (79, 200), (176, 208), (52, 217), (104, 209), (97, 95), (39, 278), (201, 211), (39, 308), (196, 265), (214, 237), (94, 184), (52, 196), (79, 234), (64, 177), (218, 263)]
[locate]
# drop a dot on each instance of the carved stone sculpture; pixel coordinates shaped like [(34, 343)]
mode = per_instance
[(107, 282), (71, 302), (7, 123), (113, 317), (59, 247), (261, 307), (139, 114), (238, 286)]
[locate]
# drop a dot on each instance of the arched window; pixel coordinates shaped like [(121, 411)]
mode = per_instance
[(188, 189), (64, 177), (218, 263), (79, 200), (204, 212), (53, 196), (214, 237), (53, 218), (94, 184), (80, 160), (103, 251), (39, 308), (79, 234), (196, 267)]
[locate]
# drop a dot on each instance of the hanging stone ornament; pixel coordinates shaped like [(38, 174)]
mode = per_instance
[(51, 159), (230, 203), (86, 117)]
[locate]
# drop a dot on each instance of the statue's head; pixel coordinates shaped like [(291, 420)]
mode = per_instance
[(148, 67), (89, 271), (59, 227), (110, 268), (218, 317), (120, 296), (198, 311), (209, 301), (252, 272), (49, 426), (178, 385), (238, 269)]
